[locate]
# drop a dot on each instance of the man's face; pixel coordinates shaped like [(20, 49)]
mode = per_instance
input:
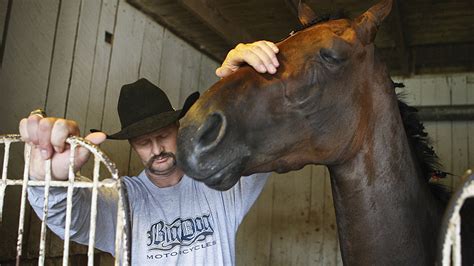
[(157, 150)]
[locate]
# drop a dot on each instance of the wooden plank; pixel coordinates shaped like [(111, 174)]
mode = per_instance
[(207, 76), (125, 60), (64, 44), (3, 19), (300, 227), (412, 91), (101, 66), (316, 219), (460, 141), (9, 225), (339, 261), (150, 68), (444, 128), (429, 98), (152, 52), (470, 100), (58, 85), (330, 240), (171, 67), (78, 81), (190, 75), (290, 211), (24, 78), (301, 216), (280, 253), (264, 221), (5, 12), (430, 95), (254, 235), (208, 13), (26, 61), (246, 240), (83, 62)]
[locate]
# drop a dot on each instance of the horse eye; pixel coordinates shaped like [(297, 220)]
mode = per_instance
[(330, 56)]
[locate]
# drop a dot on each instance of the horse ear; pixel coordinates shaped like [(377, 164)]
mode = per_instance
[(305, 14), (369, 22)]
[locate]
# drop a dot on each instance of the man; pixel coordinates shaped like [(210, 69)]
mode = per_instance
[(175, 219)]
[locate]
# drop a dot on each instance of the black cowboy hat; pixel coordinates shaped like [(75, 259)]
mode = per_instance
[(144, 108)]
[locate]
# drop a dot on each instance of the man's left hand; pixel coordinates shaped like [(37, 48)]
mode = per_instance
[(260, 55)]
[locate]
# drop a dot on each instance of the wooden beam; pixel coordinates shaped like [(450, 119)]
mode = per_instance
[(396, 25), (292, 6), (207, 11), (170, 15), (430, 59)]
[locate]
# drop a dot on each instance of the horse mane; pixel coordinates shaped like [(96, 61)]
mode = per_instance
[(425, 155)]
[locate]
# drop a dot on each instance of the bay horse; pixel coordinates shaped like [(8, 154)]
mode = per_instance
[(331, 102)]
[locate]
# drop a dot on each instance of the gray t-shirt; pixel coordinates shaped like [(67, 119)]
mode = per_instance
[(186, 224)]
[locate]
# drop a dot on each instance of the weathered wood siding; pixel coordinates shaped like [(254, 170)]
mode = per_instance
[(56, 57), (293, 221)]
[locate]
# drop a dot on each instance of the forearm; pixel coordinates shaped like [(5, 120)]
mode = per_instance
[(80, 214)]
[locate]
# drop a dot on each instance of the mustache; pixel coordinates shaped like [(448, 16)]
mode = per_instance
[(161, 156)]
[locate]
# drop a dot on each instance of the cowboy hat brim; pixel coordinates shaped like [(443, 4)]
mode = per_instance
[(154, 122), (147, 125)]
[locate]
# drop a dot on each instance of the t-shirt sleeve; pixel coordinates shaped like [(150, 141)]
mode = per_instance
[(246, 192), (107, 200)]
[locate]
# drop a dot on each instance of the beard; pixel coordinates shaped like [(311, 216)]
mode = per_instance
[(163, 169)]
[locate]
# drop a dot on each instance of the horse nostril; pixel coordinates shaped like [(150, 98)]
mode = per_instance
[(212, 131)]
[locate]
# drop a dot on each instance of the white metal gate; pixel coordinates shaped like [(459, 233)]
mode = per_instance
[(121, 240), (450, 240)]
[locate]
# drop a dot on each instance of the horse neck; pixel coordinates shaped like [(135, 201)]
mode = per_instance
[(386, 214)]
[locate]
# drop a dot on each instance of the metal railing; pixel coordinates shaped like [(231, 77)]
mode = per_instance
[(450, 234), (121, 238)]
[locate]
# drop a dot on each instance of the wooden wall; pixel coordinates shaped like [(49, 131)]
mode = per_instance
[(293, 221), (54, 55)]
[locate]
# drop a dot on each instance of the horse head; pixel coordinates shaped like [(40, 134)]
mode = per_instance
[(315, 110)]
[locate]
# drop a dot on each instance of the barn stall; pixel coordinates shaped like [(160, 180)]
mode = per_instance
[(71, 58)]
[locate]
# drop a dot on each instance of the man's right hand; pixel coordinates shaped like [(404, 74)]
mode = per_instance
[(48, 139)]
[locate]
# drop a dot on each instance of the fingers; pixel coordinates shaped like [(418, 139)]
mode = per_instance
[(82, 153), (223, 71), (23, 130), (44, 137), (272, 46), (32, 128), (271, 49), (256, 57), (266, 52), (260, 55), (62, 129), (48, 134), (262, 58), (97, 137)]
